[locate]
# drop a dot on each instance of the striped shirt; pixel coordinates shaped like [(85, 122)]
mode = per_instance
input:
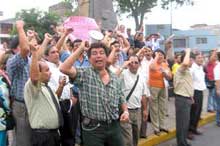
[(42, 112), (99, 101), (18, 72)]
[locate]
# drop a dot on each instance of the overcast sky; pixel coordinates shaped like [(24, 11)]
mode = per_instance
[(203, 11)]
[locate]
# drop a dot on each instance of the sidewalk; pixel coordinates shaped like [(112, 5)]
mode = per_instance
[(170, 121)]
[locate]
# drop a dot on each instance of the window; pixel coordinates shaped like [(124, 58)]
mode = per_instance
[(179, 43), (201, 40), (6, 28)]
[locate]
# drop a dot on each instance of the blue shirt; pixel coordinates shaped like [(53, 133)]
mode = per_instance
[(85, 63), (18, 72)]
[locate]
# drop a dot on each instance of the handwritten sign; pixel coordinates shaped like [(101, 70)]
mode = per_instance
[(81, 26)]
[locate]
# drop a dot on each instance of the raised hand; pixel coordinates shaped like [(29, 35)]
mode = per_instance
[(48, 37), (62, 81), (67, 31), (19, 24)]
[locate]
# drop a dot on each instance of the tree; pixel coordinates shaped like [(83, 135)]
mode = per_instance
[(138, 8), (37, 20)]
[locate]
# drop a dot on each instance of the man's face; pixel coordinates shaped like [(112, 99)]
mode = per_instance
[(191, 61), (45, 72), (134, 64), (53, 55), (76, 46), (169, 45), (148, 53), (178, 59), (128, 31), (140, 36), (199, 59), (98, 58)]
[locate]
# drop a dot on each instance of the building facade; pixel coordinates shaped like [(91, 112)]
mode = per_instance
[(6, 27), (199, 37)]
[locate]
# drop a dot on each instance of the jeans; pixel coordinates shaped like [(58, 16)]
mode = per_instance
[(218, 110), (211, 100)]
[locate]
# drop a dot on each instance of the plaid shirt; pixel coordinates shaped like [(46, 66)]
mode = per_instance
[(99, 101), (18, 72)]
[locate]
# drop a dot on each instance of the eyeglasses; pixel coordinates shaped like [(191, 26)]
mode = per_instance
[(134, 62), (117, 46)]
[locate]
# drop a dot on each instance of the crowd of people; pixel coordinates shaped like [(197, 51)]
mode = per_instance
[(60, 92)]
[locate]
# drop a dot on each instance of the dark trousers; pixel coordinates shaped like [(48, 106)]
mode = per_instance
[(45, 138), (196, 110), (102, 135), (143, 131), (183, 106), (68, 131)]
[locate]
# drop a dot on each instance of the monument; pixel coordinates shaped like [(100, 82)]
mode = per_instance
[(101, 10)]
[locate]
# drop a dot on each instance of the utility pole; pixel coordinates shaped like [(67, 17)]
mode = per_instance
[(171, 17)]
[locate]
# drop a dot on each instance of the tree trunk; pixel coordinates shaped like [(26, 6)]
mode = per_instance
[(137, 25), (141, 20)]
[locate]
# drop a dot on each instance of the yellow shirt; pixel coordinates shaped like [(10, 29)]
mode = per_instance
[(175, 67)]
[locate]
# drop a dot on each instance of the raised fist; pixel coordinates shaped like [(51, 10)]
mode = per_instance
[(19, 24)]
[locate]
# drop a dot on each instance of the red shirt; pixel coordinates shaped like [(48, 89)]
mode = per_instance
[(210, 70)]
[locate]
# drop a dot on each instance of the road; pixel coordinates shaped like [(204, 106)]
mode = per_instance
[(210, 137)]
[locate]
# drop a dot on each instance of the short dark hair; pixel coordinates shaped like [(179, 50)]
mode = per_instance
[(159, 51), (114, 42), (183, 54), (47, 50), (134, 55), (97, 45), (76, 41), (14, 43), (218, 56)]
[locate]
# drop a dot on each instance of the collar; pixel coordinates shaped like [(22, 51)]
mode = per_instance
[(51, 64), (197, 66)]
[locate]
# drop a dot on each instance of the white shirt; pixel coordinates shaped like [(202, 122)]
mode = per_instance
[(54, 80), (144, 68), (198, 76), (217, 72), (113, 69), (128, 80)]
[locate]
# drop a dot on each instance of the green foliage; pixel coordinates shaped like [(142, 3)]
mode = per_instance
[(37, 20), (138, 8)]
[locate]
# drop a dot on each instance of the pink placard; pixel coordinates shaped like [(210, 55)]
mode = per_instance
[(81, 26)]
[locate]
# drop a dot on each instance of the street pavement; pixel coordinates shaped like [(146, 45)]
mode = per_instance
[(210, 137), (170, 120)]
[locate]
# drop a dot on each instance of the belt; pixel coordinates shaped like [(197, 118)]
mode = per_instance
[(94, 122), (45, 130), (133, 109), (180, 96), (18, 100)]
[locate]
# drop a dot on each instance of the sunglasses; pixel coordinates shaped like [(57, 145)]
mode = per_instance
[(134, 62)]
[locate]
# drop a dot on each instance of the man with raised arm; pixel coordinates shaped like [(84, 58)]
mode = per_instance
[(18, 71), (44, 112), (100, 97), (183, 89)]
